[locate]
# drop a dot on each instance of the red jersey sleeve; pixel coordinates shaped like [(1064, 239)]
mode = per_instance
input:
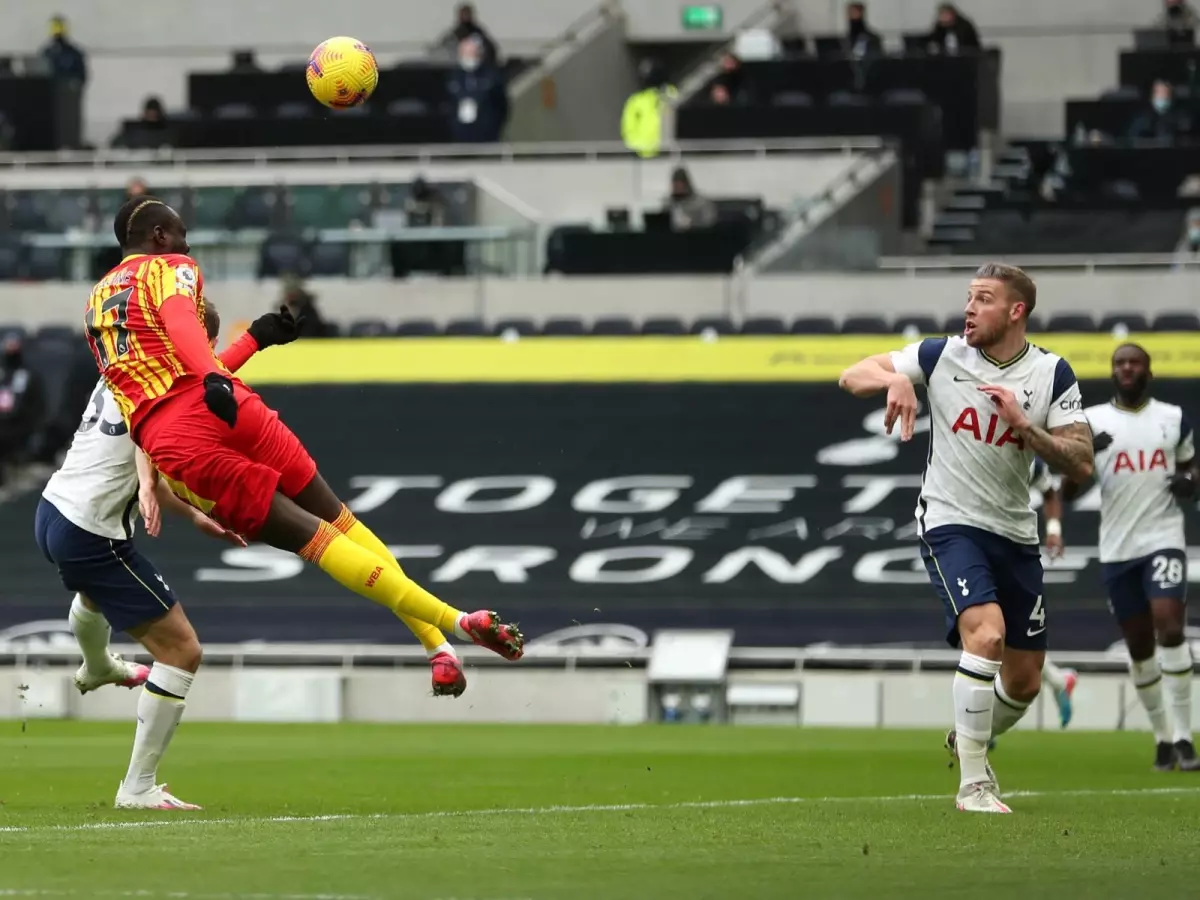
[(189, 342), (237, 353)]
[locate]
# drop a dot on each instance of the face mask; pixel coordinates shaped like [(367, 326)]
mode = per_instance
[(470, 64), (1162, 104)]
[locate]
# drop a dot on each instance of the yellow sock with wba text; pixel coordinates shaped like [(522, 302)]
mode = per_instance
[(1147, 678), (370, 576), (159, 710), (1007, 711), (92, 633), (431, 638), (1177, 685), (974, 698)]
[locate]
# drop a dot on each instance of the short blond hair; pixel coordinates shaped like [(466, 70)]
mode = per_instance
[(1015, 280)]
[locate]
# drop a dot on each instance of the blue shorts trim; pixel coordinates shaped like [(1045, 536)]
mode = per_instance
[(1132, 584), (125, 585), (969, 566)]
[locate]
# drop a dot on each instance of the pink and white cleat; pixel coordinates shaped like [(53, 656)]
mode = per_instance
[(982, 797), (485, 629), (156, 798), (122, 674), (448, 677)]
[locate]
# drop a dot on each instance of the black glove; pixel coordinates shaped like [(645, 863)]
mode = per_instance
[(1101, 441), (218, 397), (275, 328), (1182, 485)]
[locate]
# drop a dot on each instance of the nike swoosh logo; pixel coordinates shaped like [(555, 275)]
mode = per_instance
[(957, 378), (1029, 632), (973, 711)]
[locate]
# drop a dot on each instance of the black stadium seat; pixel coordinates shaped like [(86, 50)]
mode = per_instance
[(865, 325), (923, 324), (519, 326), (954, 324), (417, 328), (718, 325), (55, 332), (369, 328), (1035, 325), (762, 325), (1071, 322), (662, 326), (1183, 321), (814, 325), (465, 328), (563, 328), (613, 326), (1131, 321)]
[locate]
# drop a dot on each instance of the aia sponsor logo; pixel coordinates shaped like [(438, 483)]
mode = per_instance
[(374, 576), (1140, 461), (989, 432)]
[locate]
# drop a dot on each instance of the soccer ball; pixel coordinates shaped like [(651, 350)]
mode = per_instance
[(342, 72)]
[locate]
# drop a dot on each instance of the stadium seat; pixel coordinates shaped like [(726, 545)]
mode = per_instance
[(904, 97), (332, 259), (719, 325), (11, 252), (954, 324), (1130, 321), (368, 328), (662, 326), (1071, 322), (563, 327), (47, 264), (762, 325), (792, 98), (234, 111), (814, 325), (56, 333), (613, 326), (922, 324), (407, 106), (1182, 321), (294, 111), (1035, 325), (523, 327), (465, 328), (417, 328), (865, 325), (846, 98), (283, 254)]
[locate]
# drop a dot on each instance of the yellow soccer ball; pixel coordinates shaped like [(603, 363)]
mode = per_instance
[(342, 72)]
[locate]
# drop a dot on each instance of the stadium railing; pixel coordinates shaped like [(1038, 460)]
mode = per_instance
[(1086, 263)]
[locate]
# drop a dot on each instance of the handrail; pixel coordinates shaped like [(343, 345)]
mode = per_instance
[(912, 265)]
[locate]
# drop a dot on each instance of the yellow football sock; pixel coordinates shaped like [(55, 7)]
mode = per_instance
[(369, 576), (349, 525)]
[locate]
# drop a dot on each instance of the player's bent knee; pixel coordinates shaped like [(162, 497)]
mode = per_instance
[(1021, 682), (981, 630)]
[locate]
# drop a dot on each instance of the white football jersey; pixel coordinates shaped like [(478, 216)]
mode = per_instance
[(978, 470), (1138, 515), (97, 486)]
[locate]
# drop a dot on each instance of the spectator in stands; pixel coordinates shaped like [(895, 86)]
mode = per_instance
[(136, 188), (479, 96), (1177, 15), (731, 85), (466, 26), (688, 209), (642, 116), (424, 207), (22, 405), (860, 40), (1163, 120), (952, 32), (301, 303), (67, 61)]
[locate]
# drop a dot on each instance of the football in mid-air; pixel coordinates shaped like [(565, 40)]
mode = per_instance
[(342, 72)]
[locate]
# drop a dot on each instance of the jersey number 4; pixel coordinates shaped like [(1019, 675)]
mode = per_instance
[(118, 303)]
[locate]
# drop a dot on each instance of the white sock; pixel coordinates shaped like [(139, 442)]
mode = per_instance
[(1053, 676), (443, 647), (1177, 684), (159, 710), (92, 631), (1147, 678), (973, 702), (1008, 712)]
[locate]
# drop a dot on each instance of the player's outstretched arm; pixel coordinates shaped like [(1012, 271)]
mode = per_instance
[(271, 330), (878, 373)]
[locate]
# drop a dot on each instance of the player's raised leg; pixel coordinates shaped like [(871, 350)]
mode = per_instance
[(100, 665), (1019, 582), (1062, 682), (1175, 658)]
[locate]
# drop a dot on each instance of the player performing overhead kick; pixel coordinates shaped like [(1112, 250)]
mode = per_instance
[(226, 453), (84, 525), (995, 402), (1146, 467)]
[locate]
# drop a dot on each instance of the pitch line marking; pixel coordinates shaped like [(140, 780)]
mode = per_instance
[(181, 822)]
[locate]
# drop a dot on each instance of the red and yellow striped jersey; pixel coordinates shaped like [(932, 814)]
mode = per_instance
[(126, 332)]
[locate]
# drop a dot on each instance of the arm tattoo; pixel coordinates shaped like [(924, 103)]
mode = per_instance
[(1067, 449)]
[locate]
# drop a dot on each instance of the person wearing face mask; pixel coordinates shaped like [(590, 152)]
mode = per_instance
[(67, 61), (688, 209), (860, 41), (953, 32), (466, 26), (1163, 121), (478, 96), (22, 404)]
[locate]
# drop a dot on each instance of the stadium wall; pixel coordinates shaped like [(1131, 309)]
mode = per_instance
[(885, 293)]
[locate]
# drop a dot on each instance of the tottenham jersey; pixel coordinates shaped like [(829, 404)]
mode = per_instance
[(978, 469), (97, 486), (1138, 514)]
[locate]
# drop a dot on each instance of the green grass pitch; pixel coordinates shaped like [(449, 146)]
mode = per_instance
[(511, 812)]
